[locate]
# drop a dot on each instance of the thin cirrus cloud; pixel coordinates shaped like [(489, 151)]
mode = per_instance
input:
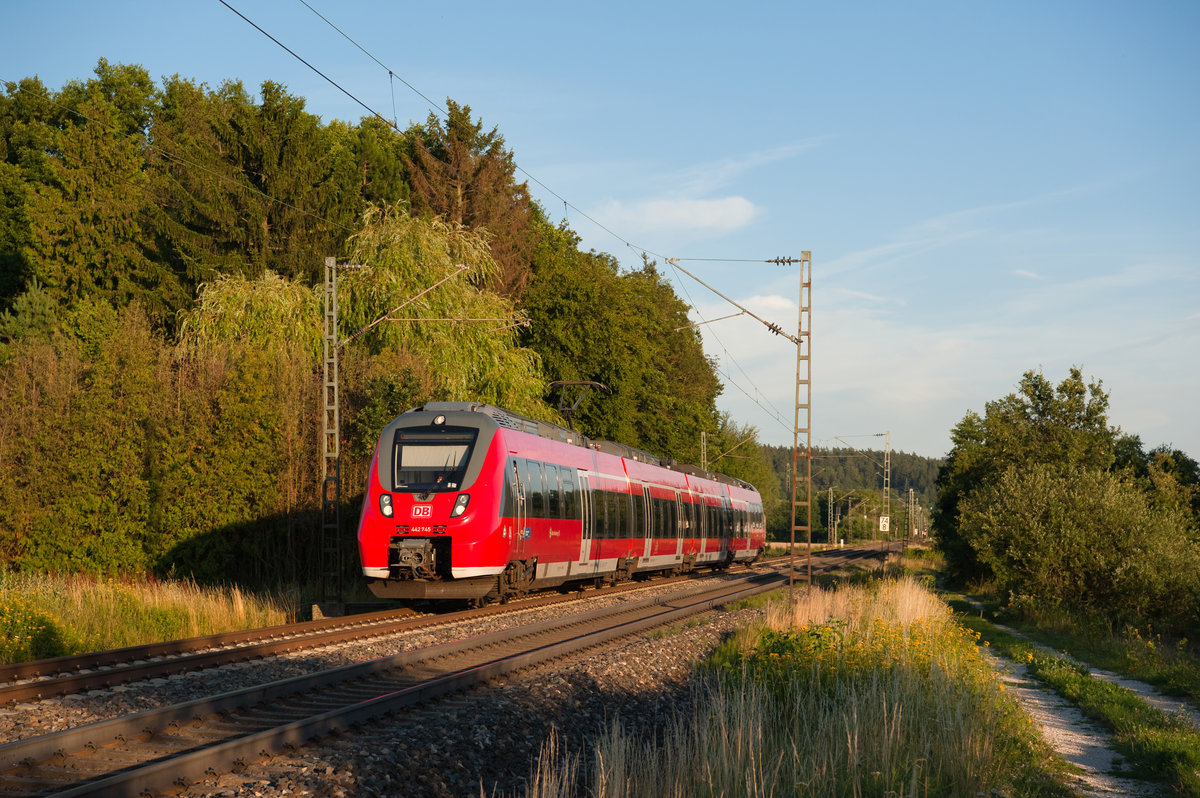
[(715, 216)]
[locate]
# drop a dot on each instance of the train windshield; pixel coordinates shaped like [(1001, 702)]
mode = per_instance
[(431, 460)]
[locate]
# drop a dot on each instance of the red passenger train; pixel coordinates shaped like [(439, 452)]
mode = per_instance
[(469, 501)]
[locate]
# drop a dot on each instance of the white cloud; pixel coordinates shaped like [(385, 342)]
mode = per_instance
[(770, 302), (706, 177), (1028, 274), (865, 295), (716, 216)]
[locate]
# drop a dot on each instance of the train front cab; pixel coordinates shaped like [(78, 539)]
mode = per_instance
[(428, 527)]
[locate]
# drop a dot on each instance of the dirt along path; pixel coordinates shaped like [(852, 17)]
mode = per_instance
[(1078, 739)]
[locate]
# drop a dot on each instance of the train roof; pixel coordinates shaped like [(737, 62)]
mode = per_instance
[(557, 432)]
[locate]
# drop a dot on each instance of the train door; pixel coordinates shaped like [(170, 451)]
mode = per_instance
[(519, 478), (588, 526), (643, 518), (676, 527)]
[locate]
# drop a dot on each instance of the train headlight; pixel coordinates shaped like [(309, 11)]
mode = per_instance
[(460, 505), (385, 505)]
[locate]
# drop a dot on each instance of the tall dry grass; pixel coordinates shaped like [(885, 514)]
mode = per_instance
[(48, 615), (861, 691)]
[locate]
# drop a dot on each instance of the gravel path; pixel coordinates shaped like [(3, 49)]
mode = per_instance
[(1076, 738)]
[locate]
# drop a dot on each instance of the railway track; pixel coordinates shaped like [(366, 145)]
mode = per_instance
[(47, 678), (162, 749), (39, 679), (149, 751)]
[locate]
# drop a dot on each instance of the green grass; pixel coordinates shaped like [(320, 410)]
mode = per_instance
[(44, 615), (678, 628), (1142, 654), (863, 690), (1158, 746)]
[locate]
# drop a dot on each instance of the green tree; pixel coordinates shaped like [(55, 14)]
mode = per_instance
[(457, 338), (1084, 540), (734, 450), (88, 237), (1065, 426), (244, 187), (589, 321), (382, 155), (267, 314), (459, 172), (29, 121), (76, 443)]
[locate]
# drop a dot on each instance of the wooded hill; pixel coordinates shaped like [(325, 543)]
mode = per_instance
[(856, 478), (161, 256)]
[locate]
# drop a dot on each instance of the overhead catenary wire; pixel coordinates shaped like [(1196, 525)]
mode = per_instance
[(771, 411), (566, 204), (297, 56), (518, 167), (437, 109), (255, 190)]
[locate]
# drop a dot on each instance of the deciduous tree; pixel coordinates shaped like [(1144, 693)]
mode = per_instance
[(1065, 426)]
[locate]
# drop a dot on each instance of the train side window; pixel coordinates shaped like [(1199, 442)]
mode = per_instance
[(553, 493), (537, 491), (508, 505), (601, 505), (567, 475), (640, 500), (621, 516)]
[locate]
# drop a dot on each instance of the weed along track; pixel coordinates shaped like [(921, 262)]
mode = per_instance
[(164, 748)]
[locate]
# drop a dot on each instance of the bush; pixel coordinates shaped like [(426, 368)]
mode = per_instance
[(27, 633), (1086, 541)]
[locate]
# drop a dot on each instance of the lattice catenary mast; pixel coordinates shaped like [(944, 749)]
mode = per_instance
[(331, 549), (802, 429)]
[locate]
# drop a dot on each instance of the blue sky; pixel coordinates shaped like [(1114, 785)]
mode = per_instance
[(986, 188)]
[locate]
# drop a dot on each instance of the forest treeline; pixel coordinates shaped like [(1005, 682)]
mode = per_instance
[(161, 299), (848, 492)]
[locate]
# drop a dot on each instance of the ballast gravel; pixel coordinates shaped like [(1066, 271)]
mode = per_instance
[(482, 742), (485, 742)]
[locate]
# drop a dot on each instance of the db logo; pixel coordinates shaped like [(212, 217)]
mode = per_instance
[(422, 511)]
